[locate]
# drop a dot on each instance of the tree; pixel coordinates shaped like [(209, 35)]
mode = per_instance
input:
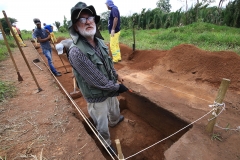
[(65, 23), (164, 5), (5, 25), (103, 24), (57, 25)]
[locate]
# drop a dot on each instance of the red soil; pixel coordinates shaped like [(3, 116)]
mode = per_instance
[(183, 81)]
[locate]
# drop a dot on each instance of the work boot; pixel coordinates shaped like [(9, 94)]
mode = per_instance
[(58, 74)]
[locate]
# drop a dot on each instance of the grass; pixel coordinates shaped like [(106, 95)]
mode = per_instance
[(203, 35), (216, 137), (3, 49), (7, 90)]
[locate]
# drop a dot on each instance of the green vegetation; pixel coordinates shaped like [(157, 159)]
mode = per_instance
[(62, 34), (7, 90), (161, 17), (3, 48), (203, 35)]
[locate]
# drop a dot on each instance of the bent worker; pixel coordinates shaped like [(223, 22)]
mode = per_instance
[(50, 29), (16, 33), (63, 46), (94, 71)]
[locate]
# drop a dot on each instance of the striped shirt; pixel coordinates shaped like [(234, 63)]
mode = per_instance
[(91, 74)]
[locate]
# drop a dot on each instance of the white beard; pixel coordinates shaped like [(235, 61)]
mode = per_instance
[(87, 33)]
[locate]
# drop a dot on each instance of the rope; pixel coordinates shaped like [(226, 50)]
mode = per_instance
[(237, 129), (170, 135), (215, 107)]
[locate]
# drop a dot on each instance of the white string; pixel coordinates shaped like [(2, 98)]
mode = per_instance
[(237, 128), (169, 136), (215, 107)]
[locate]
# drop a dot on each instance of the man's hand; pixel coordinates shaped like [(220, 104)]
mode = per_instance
[(49, 37), (120, 79), (47, 31), (122, 88), (112, 33)]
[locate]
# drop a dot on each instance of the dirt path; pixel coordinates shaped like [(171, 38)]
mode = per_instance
[(171, 89), (34, 124)]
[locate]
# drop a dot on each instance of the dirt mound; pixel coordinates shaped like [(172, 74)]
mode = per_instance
[(143, 59), (204, 65), (186, 59)]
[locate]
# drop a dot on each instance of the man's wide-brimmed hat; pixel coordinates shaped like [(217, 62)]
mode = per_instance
[(79, 7), (75, 13)]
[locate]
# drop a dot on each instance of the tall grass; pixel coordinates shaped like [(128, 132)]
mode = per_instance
[(3, 48), (203, 35), (7, 89)]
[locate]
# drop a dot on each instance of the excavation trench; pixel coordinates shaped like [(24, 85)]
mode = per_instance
[(145, 122)]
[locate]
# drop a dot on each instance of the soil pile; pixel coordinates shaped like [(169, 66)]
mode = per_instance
[(204, 65), (186, 59)]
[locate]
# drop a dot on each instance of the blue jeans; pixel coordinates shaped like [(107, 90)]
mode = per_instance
[(48, 55)]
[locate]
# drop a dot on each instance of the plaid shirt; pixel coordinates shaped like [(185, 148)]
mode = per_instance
[(91, 74)]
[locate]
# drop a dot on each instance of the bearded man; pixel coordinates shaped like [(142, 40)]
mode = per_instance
[(94, 71)]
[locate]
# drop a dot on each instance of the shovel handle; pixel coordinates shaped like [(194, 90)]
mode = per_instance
[(74, 84)]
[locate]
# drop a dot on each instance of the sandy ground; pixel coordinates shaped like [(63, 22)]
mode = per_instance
[(170, 90)]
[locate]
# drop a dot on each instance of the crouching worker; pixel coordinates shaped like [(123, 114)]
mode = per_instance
[(63, 46), (94, 71)]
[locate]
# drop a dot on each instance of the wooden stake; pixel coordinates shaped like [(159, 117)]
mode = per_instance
[(25, 59), (119, 149), (10, 53), (219, 99)]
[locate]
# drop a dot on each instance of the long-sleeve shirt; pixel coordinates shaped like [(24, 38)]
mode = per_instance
[(91, 74)]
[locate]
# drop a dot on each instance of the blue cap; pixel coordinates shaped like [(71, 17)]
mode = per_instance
[(110, 3)]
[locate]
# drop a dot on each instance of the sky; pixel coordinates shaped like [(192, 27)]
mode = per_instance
[(49, 11)]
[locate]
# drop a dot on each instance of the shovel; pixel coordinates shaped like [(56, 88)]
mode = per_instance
[(130, 57), (36, 61), (75, 94)]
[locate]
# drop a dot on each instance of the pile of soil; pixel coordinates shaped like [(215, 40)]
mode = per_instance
[(187, 59)]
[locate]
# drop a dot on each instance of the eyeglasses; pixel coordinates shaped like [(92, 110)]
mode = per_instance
[(84, 20)]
